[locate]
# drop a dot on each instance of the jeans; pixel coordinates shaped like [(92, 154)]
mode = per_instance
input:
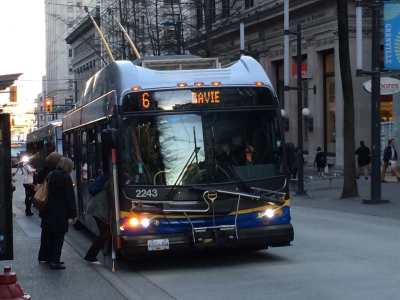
[(105, 234)]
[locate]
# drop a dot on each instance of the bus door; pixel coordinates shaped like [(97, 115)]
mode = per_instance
[(78, 169), (84, 165)]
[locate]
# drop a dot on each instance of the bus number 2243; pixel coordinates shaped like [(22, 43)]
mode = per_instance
[(146, 193)]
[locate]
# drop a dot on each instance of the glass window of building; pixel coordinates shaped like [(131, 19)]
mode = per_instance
[(329, 104)]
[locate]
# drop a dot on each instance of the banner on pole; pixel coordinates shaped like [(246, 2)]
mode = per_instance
[(391, 35)]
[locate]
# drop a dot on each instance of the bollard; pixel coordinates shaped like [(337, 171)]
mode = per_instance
[(9, 288)]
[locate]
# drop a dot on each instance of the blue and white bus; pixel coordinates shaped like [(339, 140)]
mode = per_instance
[(196, 154)]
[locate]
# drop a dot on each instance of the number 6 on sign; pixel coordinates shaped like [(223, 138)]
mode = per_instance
[(145, 100)]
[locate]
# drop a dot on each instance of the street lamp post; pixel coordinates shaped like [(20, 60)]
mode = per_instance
[(375, 96)]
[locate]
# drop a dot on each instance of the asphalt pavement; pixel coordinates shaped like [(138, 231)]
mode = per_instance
[(81, 280)]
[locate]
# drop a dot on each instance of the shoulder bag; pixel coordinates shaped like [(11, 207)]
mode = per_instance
[(41, 195)]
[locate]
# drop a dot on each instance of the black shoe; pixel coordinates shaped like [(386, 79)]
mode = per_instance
[(358, 177), (29, 213), (48, 262), (366, 178), (383, 181), (56, 267)]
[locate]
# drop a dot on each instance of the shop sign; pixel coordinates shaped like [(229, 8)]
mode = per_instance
[(389, 86), (391, 36), (304, 70)]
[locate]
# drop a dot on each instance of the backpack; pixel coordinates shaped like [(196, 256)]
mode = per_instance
[(323, 159)]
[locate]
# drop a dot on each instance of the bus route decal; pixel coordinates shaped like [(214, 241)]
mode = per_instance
[(146, 193)]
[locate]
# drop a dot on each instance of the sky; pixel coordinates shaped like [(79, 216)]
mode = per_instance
[(22, 50)]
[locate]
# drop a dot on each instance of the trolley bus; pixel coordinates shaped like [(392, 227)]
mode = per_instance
[(196, 154), (44, 141), (17, 150)]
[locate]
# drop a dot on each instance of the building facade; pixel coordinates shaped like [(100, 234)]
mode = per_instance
[(61, 17), (321, 83), (85, 43)]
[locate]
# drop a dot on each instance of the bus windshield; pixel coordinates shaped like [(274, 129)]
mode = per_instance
[(204, 148)]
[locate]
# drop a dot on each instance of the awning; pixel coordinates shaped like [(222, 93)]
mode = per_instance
[(8, 80)]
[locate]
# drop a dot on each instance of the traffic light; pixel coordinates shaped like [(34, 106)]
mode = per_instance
[(13, 93), (49, 105)]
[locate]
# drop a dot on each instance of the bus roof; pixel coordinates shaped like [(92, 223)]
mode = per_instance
[(42, 132), (121, 76)]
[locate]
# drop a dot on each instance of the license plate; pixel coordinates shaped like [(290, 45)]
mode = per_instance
[(161, 244)]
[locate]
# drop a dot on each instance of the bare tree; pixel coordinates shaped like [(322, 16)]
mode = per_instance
[(350, 183)]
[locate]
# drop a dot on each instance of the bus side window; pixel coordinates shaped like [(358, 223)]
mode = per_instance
[(84, 157), (91, 163), (66, 144), (71, 147)]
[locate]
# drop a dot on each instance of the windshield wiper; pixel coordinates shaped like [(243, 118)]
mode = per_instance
[(172, 193)]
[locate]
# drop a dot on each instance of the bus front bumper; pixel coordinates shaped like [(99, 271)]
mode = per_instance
[(252, 238)]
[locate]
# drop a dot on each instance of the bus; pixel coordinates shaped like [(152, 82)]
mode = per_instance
[(196, 154), (17, 150), (44, 141)]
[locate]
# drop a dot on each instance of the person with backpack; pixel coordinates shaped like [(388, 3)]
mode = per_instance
[(99, 208), (364, 159), (320, 160)]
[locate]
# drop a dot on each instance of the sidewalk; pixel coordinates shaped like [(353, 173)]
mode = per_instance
[(78, 281), (327, 197)]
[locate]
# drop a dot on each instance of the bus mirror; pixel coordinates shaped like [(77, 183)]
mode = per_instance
[(109, 138)]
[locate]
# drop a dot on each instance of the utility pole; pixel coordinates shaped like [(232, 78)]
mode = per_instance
[(375, 97), (287, 88)]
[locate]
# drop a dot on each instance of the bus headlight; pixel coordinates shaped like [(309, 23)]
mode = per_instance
[(145, 222), (269, 213)]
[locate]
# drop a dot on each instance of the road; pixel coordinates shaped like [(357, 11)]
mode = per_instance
[(335, 255)]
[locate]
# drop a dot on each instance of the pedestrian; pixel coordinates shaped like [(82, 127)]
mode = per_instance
[(50, 165), (59, 209), (27, 181), (364, 159), (99, 208), (389, 158), (320, 160), (19, 164), (297, 160)]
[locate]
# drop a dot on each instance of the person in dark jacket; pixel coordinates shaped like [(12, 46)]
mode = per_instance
[(50, 165), (99, 208), (59, 209), (320, 160), (363, 153), (389, 158)]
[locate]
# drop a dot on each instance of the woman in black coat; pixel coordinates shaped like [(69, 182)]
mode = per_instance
[(50, 165), (59, 209)]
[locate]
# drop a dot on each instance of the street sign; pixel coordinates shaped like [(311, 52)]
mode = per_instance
[(391, 37), (13, 93), (389, 86)]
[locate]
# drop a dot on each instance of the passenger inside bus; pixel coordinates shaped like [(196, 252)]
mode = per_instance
[(238, 152)]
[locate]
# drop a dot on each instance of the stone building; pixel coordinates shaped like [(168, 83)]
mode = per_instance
[(264, 40), (85, 44), (58, 83)]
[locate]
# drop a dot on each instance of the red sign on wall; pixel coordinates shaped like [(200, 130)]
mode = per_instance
[(304, 71)]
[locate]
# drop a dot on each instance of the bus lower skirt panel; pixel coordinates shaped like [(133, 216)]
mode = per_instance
[(252, 238)]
